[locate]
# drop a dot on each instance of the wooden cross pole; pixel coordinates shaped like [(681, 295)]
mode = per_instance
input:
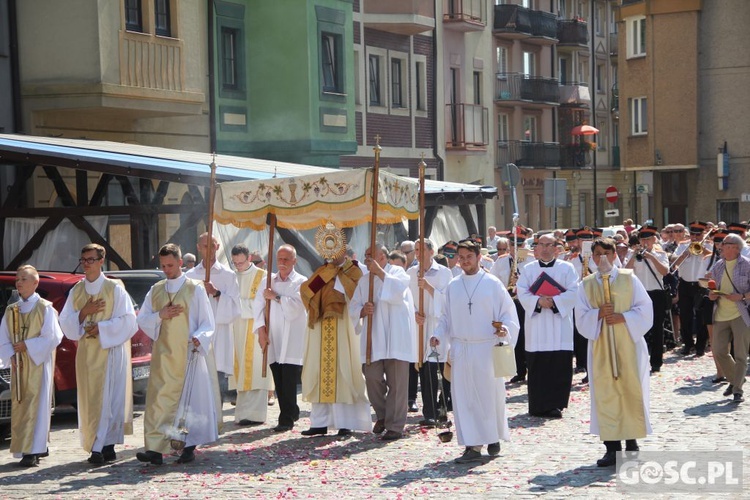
[(422, 269), (373, 235)]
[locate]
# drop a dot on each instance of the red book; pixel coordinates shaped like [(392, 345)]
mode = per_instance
[(547, 286)]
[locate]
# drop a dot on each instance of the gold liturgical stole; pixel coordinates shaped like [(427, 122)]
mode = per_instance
[(245, 379), (92, 363), (168, 364), (619, 403), (30, 377), (328, 354)]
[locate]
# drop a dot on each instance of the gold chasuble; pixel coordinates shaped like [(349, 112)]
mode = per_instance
[(168, 364), (91, 365), (246, 372), (331, 369), (30, 376), (619, 403)]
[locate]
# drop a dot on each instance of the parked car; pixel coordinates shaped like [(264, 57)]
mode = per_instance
[(55, 286)]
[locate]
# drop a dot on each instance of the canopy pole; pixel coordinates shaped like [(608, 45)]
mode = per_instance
[(373, 234), (210, 238), (269, 267), (420, 331)]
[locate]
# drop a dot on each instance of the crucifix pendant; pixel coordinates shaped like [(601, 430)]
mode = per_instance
[(470, 303)]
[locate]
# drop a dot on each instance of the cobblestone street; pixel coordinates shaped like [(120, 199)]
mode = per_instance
[(554, 457)]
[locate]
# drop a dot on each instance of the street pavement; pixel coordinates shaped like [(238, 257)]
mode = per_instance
[(545, 457)]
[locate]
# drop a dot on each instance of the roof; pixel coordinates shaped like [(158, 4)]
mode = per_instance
[(188, 167)]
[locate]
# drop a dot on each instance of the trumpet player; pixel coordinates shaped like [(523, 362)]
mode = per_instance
[(650, 265), (690, 263), (29, 334)]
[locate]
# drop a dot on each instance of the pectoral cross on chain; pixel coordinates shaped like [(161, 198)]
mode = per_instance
[(24, 329), (470, 303)]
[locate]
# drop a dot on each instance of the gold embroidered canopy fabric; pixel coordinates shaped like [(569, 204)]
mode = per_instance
[(308, 201)]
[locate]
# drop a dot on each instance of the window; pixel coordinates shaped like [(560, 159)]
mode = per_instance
[(600, 71), (161, 17), (502, 60), (397, 88), (477, 87), (638, 116), (529, 129), (357, 79), (636, 33), (374, 72), (133, 15), (599, 19), (529, 63), (330, 48), (563, 70), (229, 59), (502, 127), (420, 82)]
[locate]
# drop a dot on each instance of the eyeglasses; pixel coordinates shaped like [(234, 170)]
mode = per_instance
[(449, 255), (256, 262), (502, 249), (90, 260)]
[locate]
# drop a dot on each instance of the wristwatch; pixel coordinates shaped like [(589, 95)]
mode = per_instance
[(278, 298), (217, 294)]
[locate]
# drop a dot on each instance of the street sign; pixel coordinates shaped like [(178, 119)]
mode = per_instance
[(611, 194), (511, 176), (612, 213), (555, 193), (745, 197), (641, 189)]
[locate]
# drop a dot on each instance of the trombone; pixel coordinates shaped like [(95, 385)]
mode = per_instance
[(698, 247)]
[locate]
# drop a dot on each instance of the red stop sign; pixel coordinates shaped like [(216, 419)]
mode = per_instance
[(611, 194)]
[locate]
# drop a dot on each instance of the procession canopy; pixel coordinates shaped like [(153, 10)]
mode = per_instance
[(308, 201)]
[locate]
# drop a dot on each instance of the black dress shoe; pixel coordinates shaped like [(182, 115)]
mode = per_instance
[(282, 428), (428, 422), (413, 408), (738, 398), (608, 460), (517, 379), (187, 456), (391, 436), (685, 350), (656, 369), (729, 390), (155, 458), (29, 461), (246, 422), (718, 380), (493, 449), (470, 455), (698, 354), (44, 455), (109, 453), (96, 458), (379, 427), (315, 431), (344, 432), (585, 380), (631, 445), (554, 413)]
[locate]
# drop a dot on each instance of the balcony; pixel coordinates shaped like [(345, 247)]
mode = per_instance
[(573, 34), (575, 95), (465, 15), (613, 47), (402, 17), (528, 154), (515, 22), (524, 89), (575, 156), (466, 127)]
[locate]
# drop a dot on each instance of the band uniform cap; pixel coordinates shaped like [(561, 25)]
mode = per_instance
[(598, 232), (720, 235), (450, 247), (570, 235), (736, 228), (697, 227), (585, 233), (648, 231)]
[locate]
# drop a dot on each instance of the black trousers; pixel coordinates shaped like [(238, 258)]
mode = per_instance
[(655, 336), (286, 377), (413, 381), (520, 349), (430, 402), (550, 377), (580, 348), (691, 324)]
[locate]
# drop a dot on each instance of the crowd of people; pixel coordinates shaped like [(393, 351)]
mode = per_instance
[(364, 337)]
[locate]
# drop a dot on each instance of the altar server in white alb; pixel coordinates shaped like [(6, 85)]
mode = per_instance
[(252, 388), (29, 335), (180, 402), (394, 340), (478, 313), (285, 336), (99, 315), (549, 329), (619, 384), (224, 296)]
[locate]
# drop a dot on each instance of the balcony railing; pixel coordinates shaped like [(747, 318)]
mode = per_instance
[(520, 87), (615, 106), (613, 47), (465, 11), (151, 62), (572, 32), (528, 154), (467, 126), (511, 18), (574, 156), (575, 94)]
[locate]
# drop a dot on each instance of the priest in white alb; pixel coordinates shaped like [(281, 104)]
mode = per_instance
[(29, 335), (99, 315), (181, 410), (478, 313), (547, 290), (285, 336), (618, 360)]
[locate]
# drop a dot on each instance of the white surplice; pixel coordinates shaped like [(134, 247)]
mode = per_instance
[(114, 334), (546, 330), (638, 320), (41, 350), (288, 320), (438, 276), (200, 401), (226, 308), (478, 397), (393, 326)]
